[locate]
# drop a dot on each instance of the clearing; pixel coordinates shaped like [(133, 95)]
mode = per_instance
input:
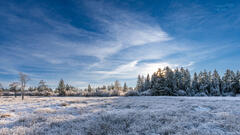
[(120, 115)]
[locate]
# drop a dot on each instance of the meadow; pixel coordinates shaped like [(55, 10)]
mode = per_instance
[(144, 115)]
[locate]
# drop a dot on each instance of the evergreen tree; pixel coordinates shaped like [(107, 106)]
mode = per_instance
[(178, 82), (42, 86), (68, 88), (187, 82), (178, 79), (215, 84), (169, 81), (238, 81), (235, 83), (204, 83), (181, 79), (140, 83), (147, 83), (61, 88), (195, 84), (227, 86), (209, 80), (125, 88), (89, 88), (158, 83)]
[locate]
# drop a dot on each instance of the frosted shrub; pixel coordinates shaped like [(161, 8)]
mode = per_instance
[(132, 93), (181, 93), (146, 93)]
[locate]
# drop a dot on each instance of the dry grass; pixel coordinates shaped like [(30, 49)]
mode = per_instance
[(122, 115), (45, 110)]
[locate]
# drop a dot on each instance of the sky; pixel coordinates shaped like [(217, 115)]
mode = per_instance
[(100, 41)]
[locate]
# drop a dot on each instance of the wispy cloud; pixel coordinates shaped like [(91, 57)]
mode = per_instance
[(113, 43), (134, 68), (47, 43)]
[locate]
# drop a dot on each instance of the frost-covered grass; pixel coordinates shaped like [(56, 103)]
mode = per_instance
[(120, 115)]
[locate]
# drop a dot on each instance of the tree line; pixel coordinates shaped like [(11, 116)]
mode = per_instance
[(163, 82), (63, 89), (178, 82)]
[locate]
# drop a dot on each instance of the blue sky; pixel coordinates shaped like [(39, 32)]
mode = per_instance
[(100, 41)]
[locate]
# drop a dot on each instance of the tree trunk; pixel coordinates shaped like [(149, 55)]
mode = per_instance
[(22, 93)]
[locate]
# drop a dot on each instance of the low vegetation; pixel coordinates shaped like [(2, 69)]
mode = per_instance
[(121, 115)]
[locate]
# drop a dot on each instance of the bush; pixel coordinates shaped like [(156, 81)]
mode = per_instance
[(146, 93), (115, 93), (132, 93), (181, 93), (201, 94), (43, 93), (72, 93), (229, 94)]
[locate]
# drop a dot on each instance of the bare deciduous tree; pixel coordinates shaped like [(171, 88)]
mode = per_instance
[(23, 81)]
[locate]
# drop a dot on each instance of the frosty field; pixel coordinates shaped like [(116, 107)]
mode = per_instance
[(120, 115)]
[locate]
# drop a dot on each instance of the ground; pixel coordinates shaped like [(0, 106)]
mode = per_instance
[(120, 115)]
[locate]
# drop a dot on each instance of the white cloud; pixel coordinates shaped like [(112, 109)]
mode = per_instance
[(122, 29), (132, 69), (133, 32), (119, 30)]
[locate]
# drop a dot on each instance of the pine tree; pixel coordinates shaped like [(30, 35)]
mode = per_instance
[(200, 82), (238, 81), (42, 86), (179, 82), (169, 81), (187, 82), (89, 88), (181, 79), (228, 79), (159, 84), (178, 79), (215, 84), (61, 88), (204, 83), (147, 83), (235, 83), (68, 88), (140, 83), (125, 88), (209, 80), (195, 84)]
